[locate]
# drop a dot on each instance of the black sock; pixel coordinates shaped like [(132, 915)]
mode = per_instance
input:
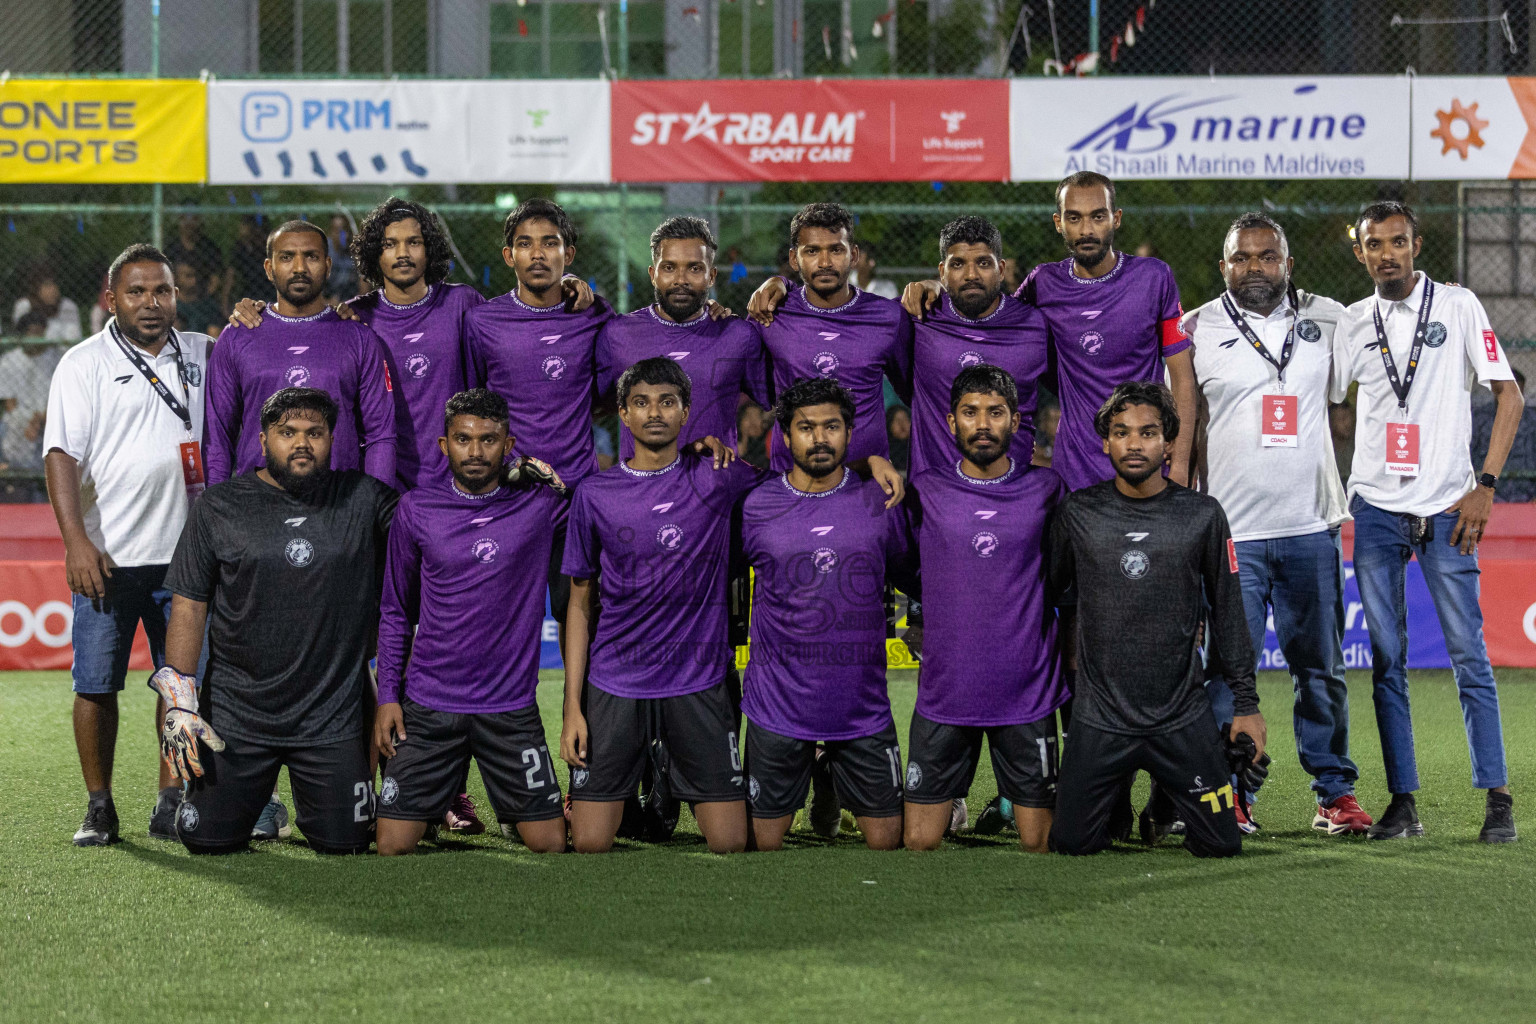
[(174, 790), (99, 797), (1500, 798)]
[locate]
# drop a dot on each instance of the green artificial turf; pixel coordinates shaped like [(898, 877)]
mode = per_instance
[(1302, 927)]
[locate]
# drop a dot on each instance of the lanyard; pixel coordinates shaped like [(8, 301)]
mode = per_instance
[(178, 406), (1241, 323), (1400, 387)]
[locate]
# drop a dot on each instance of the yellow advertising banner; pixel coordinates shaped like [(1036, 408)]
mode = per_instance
[(121, 131)]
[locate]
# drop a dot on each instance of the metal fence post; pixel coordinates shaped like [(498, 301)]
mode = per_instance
[(157, 218)]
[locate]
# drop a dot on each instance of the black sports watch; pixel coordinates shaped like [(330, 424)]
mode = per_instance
[(1487, 480)]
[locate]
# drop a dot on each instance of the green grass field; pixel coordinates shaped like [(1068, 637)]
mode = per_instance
[(1300, 928)]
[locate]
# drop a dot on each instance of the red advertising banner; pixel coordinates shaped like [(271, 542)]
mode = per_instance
[(810, 130), (36, 619)]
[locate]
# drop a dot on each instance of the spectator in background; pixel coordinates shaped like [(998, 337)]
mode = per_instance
[(1522, 457), (99, 312), (196, 310), (1047, 419), (898, 426), (1341, 423), (60, 314), (602, 440), (24, 374), (343, 281), (752, 434), (864, 274), (247, 273), (192, 246), (1013, 274)]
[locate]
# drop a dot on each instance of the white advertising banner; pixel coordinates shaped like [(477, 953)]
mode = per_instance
[(1165, 128), (339, 132), (1474, 128)]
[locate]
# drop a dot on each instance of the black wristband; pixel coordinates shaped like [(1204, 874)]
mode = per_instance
[(1487, 480)]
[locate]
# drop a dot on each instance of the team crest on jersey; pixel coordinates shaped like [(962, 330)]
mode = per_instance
[(1434, 334), (417, 365), (984, 544), (390, 791), (193, 375), (297, 376), (553, 367), (914, 775), (969, 359), (753, 789), (826, 363), (824, 559), (1135, 563), (579, 777), (187, 817), (1307, 330), (299, 552), (1091, 341), (484, 550), (670, 537)]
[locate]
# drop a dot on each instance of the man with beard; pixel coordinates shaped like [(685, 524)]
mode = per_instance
[(1145, 555), (446, 693), (653, 534), (980, 521), (723, 358), (281, 566), (1113, 317), (124, 462), (822, 545), (301, 343), (1263, 352)]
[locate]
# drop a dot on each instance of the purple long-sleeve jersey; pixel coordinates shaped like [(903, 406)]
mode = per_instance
[(429, 365), (543, 362), (463, 599), (340, 357), (723, 359), (1013, 337), (1104, 331), (983, 546), (859, 343), (817, 669)]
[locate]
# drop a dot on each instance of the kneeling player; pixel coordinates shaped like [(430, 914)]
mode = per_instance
[(822, 544), (980, 522), (653, 535), (462, 615), (1145, 554), (279, 564)]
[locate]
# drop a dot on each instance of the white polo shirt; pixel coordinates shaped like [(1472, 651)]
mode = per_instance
[(1461, 350), (107, 417), (1269, 492)]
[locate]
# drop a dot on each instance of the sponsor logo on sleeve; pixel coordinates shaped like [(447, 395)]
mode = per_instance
[(1490, 346)]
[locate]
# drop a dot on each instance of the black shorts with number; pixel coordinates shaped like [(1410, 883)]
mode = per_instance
[(700, 733), (428, 768), (1189, 765), (332, 795), (866, 772), (942, 760)]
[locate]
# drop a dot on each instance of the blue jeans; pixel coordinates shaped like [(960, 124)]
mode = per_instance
[(103, 630), (1302, 579), (1381, 565)]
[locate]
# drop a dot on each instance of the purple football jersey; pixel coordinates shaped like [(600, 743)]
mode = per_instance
[(425, 341), (543, 362), (342, 358), (659, 542), (1104, 332), (1013, 337), (982, 544), (722, 358), (817, 668), (462, 613), (859, 343)]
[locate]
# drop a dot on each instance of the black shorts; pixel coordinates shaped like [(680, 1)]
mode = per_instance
[(332, 795), (866, 772), (559, 582), (942, 760), (1189, 766), (429, 765), (699, 731)]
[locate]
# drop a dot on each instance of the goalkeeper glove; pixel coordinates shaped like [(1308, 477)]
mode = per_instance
[(1250, 774), (526, 467), (183, 727)]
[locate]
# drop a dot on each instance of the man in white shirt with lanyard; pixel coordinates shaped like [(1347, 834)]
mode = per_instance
[(124, 462), (1263, 353), (1416, 347)]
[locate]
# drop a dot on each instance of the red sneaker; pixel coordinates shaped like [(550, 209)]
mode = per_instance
[(461, 817), (1343, 816), (1245, 824)]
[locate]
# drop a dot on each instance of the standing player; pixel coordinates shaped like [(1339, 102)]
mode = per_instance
[(1263, 353), (1416, 347), (124, 462), (822, 544), (460, 548), (1145, 555), (653, 535), (981, 528), (723, 358), (301, 344), (281, 567)]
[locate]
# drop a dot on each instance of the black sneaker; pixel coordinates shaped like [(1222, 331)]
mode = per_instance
[(826, 810), (1499, 821), (99, 827), (1399, 821), (162, 821)]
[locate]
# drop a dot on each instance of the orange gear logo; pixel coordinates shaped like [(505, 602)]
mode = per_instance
[(1449, 139)]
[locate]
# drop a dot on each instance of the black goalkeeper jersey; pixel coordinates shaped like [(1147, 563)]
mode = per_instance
[(1143, 568)]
